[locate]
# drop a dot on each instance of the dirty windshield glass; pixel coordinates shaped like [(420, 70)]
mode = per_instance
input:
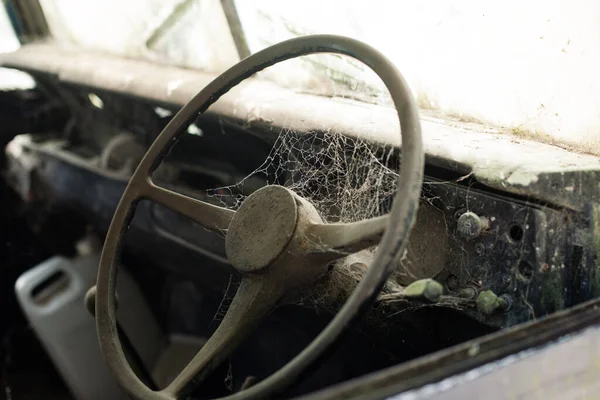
[(189, 33), (527, 69)]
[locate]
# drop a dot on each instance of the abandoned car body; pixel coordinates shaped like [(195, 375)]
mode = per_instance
[(175, 230)]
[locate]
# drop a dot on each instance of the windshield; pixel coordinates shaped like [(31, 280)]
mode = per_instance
[(528, 68), (188, 33)]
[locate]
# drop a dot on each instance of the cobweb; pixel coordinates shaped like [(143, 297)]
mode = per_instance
[(346, 179)]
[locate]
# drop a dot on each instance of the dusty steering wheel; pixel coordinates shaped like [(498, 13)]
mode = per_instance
[(276, 240)]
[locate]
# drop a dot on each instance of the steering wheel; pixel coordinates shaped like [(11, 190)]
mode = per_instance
[(276, 240)]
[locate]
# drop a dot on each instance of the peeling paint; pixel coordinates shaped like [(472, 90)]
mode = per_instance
[(522, 178)]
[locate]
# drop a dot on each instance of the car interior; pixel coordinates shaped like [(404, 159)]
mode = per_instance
[(251, 199)]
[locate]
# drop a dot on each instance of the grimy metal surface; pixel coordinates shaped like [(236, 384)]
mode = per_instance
[(299, 259)]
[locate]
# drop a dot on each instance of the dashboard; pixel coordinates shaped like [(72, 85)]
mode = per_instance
[(531, 254)]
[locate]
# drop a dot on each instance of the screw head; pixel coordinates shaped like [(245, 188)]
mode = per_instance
[(471, 225)]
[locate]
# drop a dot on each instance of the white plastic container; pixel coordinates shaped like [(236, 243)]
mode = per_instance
[(52, 297)]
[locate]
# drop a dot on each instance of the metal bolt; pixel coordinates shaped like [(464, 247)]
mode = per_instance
[(471, 225)]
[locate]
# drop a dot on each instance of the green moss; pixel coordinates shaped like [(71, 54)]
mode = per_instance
[(488, 303), (424, 289)]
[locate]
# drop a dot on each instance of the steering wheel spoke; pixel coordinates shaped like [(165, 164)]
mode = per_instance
[(255, 298), (346, 238), (211, 217)]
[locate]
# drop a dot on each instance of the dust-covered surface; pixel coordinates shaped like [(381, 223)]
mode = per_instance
[(491, 154)]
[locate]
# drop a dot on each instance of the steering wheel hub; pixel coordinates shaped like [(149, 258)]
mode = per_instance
[(261, 229)]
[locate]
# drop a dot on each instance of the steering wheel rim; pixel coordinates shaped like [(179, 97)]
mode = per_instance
[(391, 246)]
